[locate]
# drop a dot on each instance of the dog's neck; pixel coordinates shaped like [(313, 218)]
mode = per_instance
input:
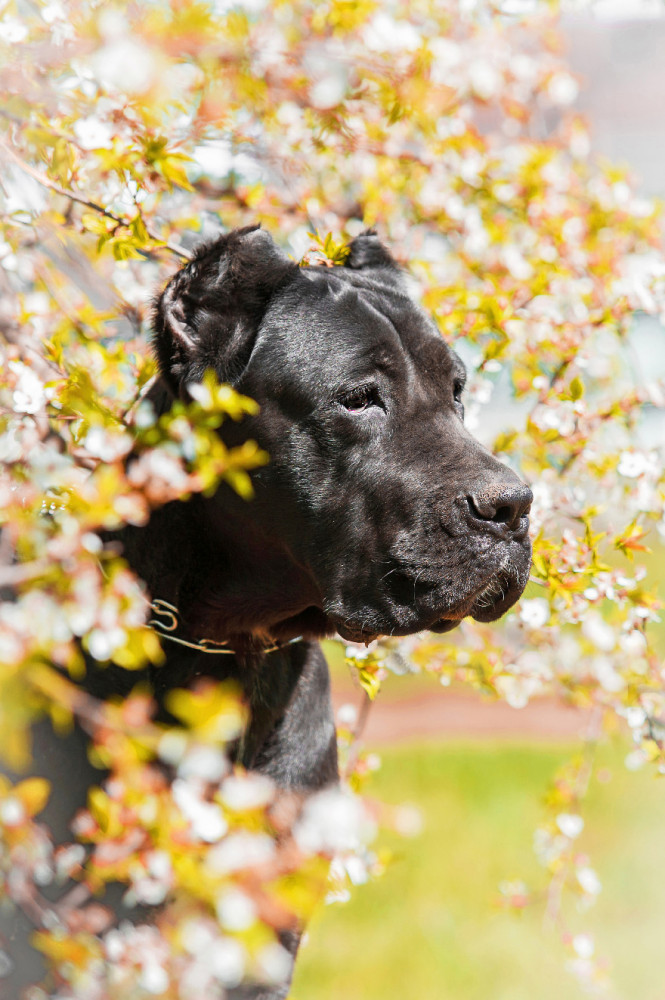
[(228, 581), (251, 584)]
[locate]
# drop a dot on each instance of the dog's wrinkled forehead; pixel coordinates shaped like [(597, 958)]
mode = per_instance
[(332, 325), (218, 310), (241, 299)]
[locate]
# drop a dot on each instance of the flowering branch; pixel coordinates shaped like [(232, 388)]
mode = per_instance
[(79, 199)]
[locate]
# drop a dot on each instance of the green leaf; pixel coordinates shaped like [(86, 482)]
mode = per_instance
[(576, 388)]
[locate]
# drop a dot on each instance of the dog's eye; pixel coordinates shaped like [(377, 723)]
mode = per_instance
[(458, 389), (360, 399)]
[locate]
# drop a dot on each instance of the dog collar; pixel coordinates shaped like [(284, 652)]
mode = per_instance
[(167, 627)]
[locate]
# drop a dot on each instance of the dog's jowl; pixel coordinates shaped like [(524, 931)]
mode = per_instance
[(377, 514)]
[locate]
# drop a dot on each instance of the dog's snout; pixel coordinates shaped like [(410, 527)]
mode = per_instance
[(504, 504)]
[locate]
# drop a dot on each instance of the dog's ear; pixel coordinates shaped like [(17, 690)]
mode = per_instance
[(367, 251), (209, 313)]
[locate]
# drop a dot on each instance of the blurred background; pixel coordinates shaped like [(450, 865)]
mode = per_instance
[(433, 925)]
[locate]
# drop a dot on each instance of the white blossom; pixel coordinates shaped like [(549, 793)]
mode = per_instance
[(108, 445), (215, 158), (274, 963), (29, 394), (633, 642), (11, 448), (608, 677), (484, 78), (53, 11), (240, 850), (125, 65), (517, 690), (562, 88), (205, 762), (447, 55), (248, 791), (206, 818), (93, 133), (102, 643), (347, 715), (636, 759), (227, 961), (235, 910), (635, 716), (589, 880), (154, 978), (599, 632), (12, 812), (384, 34), (570, 824), (172, 746), (328, 91), (12, 30), (535, 612), (583, 945), (332, 820)]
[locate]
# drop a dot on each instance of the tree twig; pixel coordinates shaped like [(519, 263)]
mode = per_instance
[(552, 914), (356, 742), (50, 185)]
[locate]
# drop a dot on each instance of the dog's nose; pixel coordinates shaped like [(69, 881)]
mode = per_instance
[(505, 504)]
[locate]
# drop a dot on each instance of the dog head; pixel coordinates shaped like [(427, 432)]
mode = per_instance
[(384, 513)]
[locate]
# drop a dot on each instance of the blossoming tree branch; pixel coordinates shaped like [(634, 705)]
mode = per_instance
[(129, 132)]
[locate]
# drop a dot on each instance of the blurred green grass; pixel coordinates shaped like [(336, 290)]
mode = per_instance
[(429, 929)]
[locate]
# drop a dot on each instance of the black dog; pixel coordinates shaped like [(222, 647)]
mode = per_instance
[(378, 513)]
